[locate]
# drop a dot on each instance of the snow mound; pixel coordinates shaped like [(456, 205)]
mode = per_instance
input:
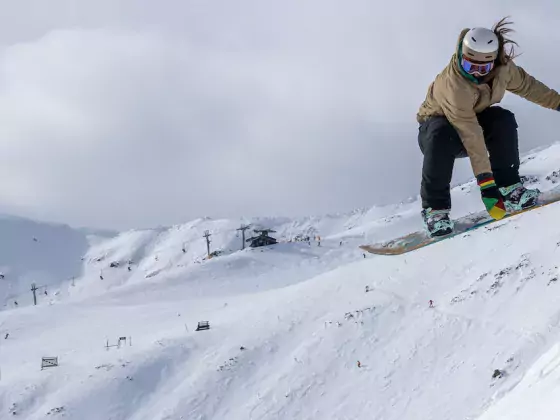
[(303, 329)]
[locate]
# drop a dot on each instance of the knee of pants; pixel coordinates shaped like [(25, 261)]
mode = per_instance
[(438, 133), (499, 115)]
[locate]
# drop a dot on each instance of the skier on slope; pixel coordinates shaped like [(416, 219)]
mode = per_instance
[(457, 120)]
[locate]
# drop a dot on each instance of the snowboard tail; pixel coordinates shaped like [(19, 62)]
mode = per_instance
[(420, 239)]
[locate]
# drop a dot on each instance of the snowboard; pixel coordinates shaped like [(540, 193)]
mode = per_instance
[(420, 239)]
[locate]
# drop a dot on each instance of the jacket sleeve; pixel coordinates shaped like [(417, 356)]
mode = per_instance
[(458, 107), (523, 84)]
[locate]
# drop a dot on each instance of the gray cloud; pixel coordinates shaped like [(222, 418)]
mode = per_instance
[(123, 113)]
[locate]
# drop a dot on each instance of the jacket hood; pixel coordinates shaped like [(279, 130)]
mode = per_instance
[(460, 40)]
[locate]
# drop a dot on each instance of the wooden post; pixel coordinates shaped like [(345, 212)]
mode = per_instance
[(243, 228), (34, 289), (207, 235)]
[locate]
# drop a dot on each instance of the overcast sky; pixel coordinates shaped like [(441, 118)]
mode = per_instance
[(136, 113)]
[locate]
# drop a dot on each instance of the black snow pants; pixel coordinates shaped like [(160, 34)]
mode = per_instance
[(441, 145)]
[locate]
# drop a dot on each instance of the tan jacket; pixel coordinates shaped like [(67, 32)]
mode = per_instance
[(453, 95)]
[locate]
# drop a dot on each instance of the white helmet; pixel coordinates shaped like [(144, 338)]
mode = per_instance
[(481, 44)]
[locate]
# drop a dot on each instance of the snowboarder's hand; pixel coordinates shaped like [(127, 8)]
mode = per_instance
[(491, 196)]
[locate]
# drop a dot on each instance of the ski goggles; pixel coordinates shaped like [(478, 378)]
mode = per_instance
[(476, 68)]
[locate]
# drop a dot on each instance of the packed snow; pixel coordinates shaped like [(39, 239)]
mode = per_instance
[(309, 328)]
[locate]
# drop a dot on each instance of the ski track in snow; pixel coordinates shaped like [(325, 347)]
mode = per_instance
[(289, 323)]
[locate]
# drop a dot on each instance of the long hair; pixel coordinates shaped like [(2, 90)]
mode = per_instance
[(501, 30)]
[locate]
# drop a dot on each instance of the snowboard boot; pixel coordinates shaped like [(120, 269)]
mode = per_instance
[(437, 222), (517, 197)]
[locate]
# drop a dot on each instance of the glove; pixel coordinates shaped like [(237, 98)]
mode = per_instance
[(491, 196)]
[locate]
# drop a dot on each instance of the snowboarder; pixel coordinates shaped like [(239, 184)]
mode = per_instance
[(457, 120), (431, 302)]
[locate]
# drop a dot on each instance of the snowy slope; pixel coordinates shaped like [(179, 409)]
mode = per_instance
[(290, 323), (41, 253), (536, 396)]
